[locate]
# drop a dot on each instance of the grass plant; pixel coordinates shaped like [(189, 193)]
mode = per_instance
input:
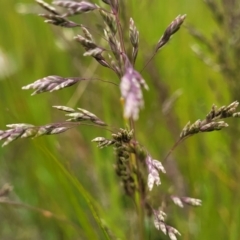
[(126, 86)]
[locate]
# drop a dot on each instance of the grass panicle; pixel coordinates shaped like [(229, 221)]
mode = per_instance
[(138, 172), (134, 39), (52, 83), (154, 166), (211, 122), (75, 7), (181, 201), (58, 21), (171, 29)]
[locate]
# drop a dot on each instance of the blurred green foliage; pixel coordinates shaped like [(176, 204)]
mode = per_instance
[(63, 174)]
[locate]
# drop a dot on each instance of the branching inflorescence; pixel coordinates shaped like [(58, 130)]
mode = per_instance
[(137, 169)]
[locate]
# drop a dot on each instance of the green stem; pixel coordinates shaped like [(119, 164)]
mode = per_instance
[(175, 146), (134, 161), (138, 196)]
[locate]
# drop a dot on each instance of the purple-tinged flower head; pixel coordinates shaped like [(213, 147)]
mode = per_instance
[(172, 232), (159, 223), (171, 29), (159, 218), (25, 130), (154, 166), (58, 21), (76, 7), (181, 201), (131, 91), (51, 83), (134, 39)]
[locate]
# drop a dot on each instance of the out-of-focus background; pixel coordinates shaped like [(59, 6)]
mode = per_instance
[(55, 177)]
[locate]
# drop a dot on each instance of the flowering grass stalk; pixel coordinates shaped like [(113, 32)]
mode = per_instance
[(138, 171)]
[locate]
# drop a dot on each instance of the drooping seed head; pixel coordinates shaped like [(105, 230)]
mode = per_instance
[(131, 92)]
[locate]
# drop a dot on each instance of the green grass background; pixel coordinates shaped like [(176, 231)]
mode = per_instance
[(68, 176)]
